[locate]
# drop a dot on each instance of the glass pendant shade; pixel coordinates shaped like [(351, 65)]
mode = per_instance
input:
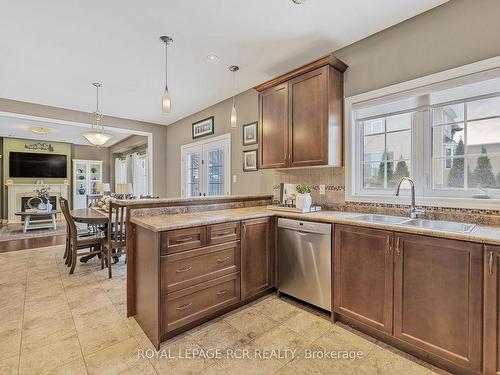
[(96, 138), (234, 118), (166, 101)]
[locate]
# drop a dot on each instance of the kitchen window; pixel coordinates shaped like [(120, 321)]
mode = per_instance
[(443, 131)]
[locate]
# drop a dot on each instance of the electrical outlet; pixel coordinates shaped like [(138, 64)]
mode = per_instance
[(234, 178), (322, 189)]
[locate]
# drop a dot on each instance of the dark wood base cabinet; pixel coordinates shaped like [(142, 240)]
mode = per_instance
[(187, 276), (438, 297), (363, 270), (420, 293), (491, 310)]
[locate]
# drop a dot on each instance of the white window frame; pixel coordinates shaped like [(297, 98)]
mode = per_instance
[(420, 171), (224, 140)]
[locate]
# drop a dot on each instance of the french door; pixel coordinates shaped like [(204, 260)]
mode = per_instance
[(206, 167)]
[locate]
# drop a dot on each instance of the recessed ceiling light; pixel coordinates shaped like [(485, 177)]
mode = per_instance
[(299, 1), (40, 130), (213, 58)]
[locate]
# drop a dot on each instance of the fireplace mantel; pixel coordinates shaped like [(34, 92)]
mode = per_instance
[(16, 191)]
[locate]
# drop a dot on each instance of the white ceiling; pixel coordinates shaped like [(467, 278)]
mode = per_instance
[(15, 127), (51, 51)]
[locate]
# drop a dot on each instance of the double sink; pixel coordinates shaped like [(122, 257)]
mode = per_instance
[(447, 226)]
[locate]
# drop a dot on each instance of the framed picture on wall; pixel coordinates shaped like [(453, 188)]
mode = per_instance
[(203, 127), (250, 161), (250, 135)]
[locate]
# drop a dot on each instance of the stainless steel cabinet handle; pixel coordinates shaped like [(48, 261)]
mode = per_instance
[(223, 260), (185, 239), (224, 232), (185, 306), (490, 263), (181, 270), (221, 292), (398, 244)]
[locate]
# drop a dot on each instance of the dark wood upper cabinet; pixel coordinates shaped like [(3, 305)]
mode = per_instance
[(256, 257), (438, 297), (301, 116), (363, 275), (491, 310), (273, 134)]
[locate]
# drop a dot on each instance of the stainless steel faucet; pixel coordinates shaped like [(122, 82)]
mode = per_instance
[(413, 210)]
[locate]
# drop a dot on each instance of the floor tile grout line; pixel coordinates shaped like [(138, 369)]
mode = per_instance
[(22, 319), (72, 316)]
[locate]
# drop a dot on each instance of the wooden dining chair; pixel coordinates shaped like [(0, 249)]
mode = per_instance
[(76, 241), (116, 238)]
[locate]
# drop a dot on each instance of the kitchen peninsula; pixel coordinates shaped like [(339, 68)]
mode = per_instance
[(193, 266)]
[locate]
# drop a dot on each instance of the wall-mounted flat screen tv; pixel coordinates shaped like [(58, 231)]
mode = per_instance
[(26, 164)]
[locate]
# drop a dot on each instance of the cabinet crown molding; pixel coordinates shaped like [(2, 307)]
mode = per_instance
[(329, 59)]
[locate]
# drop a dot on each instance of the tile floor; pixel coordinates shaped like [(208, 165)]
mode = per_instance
[(56, 323)]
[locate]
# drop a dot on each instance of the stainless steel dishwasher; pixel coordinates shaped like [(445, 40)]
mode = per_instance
[(305, 261)]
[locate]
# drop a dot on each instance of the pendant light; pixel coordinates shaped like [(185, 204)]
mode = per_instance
[(234, 118), (166, 102), (97, 136)]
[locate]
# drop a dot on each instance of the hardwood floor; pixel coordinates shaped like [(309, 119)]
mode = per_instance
[(31, 243)]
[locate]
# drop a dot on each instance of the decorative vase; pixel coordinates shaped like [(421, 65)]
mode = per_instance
[(303, 201), (49, 206), (42, 206)]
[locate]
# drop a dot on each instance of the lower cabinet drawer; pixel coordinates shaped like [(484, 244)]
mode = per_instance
[(224, 232), (177, 240), (193, 303), (187, 268)]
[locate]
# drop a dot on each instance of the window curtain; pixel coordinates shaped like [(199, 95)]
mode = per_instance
[(121, 171), (139, 164)]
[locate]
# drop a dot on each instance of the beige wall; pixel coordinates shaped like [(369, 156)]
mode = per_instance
[(159, 132), (179, 134), (454, 34)]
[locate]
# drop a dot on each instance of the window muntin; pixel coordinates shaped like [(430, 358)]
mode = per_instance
[(386, 153), (466, 149)]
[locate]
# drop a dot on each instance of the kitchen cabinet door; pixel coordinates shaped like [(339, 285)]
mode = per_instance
[(491, 310), (308, 139), (363, 275), (273, 127), (438, 297), (256, 257)]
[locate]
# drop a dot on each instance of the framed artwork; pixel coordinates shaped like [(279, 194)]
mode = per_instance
[(203, 127), (250, 134), (250, 161)]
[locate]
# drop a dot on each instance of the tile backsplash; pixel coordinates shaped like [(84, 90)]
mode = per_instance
[(334, 199), (332, 178)]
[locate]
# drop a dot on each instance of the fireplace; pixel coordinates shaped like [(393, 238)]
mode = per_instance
[(16, 193), (24, 207)]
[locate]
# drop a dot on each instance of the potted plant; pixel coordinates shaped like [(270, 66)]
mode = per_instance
[(303, 199)]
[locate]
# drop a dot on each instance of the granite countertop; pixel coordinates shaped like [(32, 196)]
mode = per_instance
[(481, 234), (160, 201)]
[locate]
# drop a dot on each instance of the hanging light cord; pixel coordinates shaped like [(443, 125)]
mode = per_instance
[(166, 65), (234, 88)]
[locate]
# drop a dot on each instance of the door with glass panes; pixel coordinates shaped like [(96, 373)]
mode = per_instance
[(206, 168)]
